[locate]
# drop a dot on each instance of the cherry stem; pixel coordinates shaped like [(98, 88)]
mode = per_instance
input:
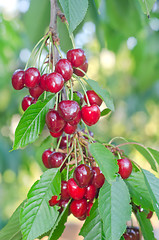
[(75, 152), (71, 89), (84, 88), (80, 151), (57, 98), (57, 147), (67, 156)]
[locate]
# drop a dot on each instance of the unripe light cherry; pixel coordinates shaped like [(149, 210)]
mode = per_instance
[(74, 190), (125, 167), (45, 157), (54, 82), (18, 79), (69, 129), (93, 98), (64, 67), (90, 114), (54, 121), (76, 57), (68, 109), (98, 177), (83, 67), (26, 102), (78, 207), (56, 159), (31, 77), (36, 91), (83, 175)]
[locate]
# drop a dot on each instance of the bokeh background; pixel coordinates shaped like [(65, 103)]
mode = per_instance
[(122, 46)]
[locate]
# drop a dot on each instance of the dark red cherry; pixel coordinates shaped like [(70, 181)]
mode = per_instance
[(69, 129), (93, 98), (26, 102), (90, 192), (78, 97), (74, 190), (125, 167), (18, 79), (76, 57), (83, 175), (56, 159), (83, 217), (54, 122), (36, 91), (78, 207), (54, 82), (42, 82), (90, 114), (56, 134), (83, 67), (76, 120), (98, 177), (45, 156), (64, 191), (149, 215), (31, 77), (68, 110), (64, 67), (132, 233), (89, 206), (53, 201), (63, 143)]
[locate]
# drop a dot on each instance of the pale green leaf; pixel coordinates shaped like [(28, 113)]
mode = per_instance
[(147, 5)]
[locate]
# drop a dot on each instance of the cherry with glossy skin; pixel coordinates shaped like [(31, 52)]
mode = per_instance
[(54, 121), (93, 98), (26, 102), (54, 82), (74, 190), (45, 157), (90, 192), (125, 167), (89, 206), (78, 97), (64, 67), (18, 79), (42, 82), (90, 114), (36, 91), (76, 57), (64, 191), (31, 77), (78, 207), (83, 175), (63, 143), (98, 177), (56, 159), (76, 120), (53, 201), (132, 233), (68, 109), (56, 134), (149, 215), (83, 67), (69, 129)]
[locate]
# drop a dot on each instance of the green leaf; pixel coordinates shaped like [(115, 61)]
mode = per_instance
[(103, 93), (146, 227), (147, 5), (37, 217), (138, 190), (114, 208), (154, 153), (97, 3), (152, 183), (12, 230), (75, 11), (105, 160), (93, 227), (105, 112), (32, 123)]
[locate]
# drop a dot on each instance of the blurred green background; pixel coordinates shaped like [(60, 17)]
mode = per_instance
[(122, 46)]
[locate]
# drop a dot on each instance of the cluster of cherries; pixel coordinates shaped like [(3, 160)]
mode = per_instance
[(132, 233)]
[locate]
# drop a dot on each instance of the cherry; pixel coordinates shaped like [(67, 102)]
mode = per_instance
[(83, 175), (68, 110), (36, 91), (98, 177), (125, 167), (42, 82), (31, 77), (89, 206), (83, 67), (69, 129), (78, 97), (34, 100), (90, 192), (45, 156), (56, 159), (132, 233), (56, 134), (26, 102), (64, 67), (54, 82), (76, 57), (93, 98), (53, 201), (63, 143), (54, 122), (74, 190), (90, 114), (78, 207), (149, 215), (63, 203), (64, 191), (76, 120), (18, 79)]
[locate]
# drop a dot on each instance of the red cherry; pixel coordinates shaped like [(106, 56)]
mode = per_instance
[(64, 67), (42, 82), (31, 77), (54, 82), (93, 98), (83, 67), (26, 102), (69, 129), (74, 190), (98, 177), (78, 97), (56, 134), (45, 156), (54, 122), (132, 233), (64, 191), (18, 79), (76, 120), (90, 192), (53, 201), (34, 100), (63, 203), (90, 114), (89, 206), (63, 143), (83, 175), (78, 207), (125, 167), (149, 215), (68, 110), (56, 159), (76, 57), (36, 91)]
